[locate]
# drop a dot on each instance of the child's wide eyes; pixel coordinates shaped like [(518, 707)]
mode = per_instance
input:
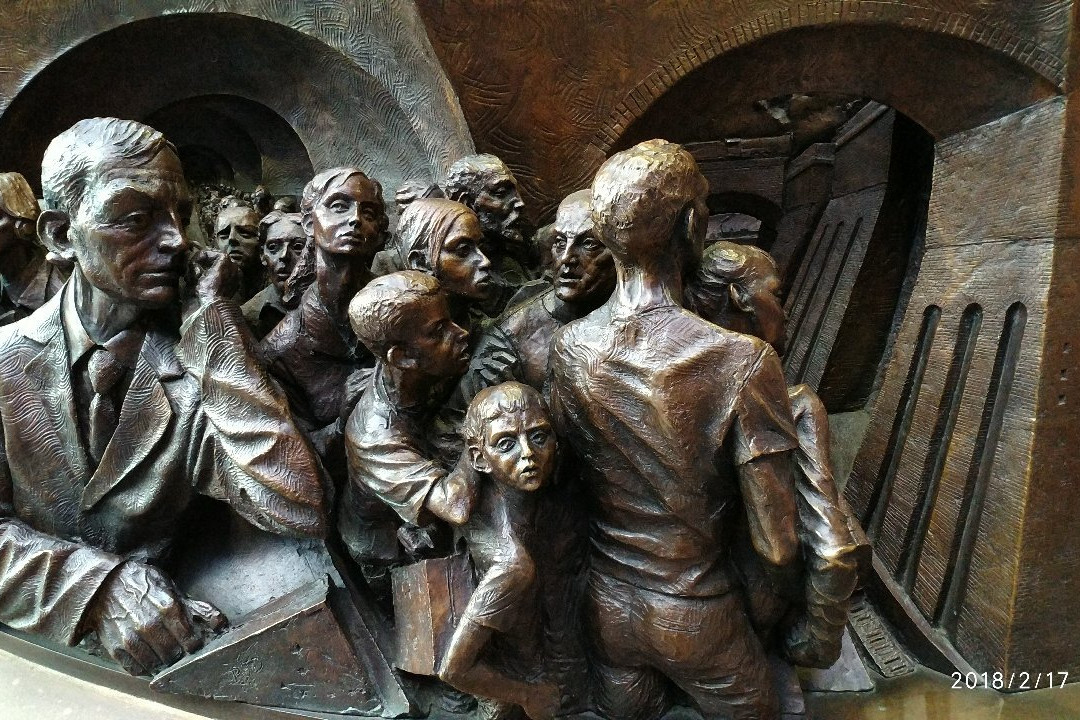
[(506, 444)]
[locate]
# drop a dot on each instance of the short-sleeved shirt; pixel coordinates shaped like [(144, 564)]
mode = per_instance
[(663, 407)]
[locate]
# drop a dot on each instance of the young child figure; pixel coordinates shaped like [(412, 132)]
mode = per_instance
[(511, 445)]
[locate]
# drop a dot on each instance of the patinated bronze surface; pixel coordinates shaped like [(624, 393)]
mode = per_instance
[(113, 421), (789, 387)]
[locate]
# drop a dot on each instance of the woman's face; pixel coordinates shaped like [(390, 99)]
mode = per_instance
[(346, 220), (462, 268)]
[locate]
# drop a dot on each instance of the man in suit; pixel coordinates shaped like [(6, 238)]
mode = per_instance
[(112, 421)]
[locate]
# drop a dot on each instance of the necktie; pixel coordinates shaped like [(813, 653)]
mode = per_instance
[(105, 373)]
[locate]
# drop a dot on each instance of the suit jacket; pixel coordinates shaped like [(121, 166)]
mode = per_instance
[(200, 416)]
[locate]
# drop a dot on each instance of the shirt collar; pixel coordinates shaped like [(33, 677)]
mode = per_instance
[(124, 346)]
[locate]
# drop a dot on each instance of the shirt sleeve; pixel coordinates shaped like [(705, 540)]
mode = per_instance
[(763, 424), (46, 584), (388, 464), (252, 455)]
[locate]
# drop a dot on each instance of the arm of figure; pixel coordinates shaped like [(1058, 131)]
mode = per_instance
[(251, 453), (497, 597), (390, 465), (764, 436), (453, 497), (831, 570), (64, 590)]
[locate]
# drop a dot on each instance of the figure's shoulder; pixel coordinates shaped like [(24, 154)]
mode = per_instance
[(522, 317)]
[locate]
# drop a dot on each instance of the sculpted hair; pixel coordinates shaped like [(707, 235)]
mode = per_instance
[(424, 227), (322, 182), (726, 262), (381, 313), (272, 218), (16, 197), (467, 177), (491, 402), (639, 196), (79, 151)]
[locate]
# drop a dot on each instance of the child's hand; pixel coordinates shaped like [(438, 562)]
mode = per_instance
[(415, 539)]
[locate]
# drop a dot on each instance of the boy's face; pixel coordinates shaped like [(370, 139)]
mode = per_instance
[(439, 346), (518, 449)]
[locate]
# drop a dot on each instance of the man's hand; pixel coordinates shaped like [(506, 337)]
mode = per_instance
[(218, 276), (144, 623)]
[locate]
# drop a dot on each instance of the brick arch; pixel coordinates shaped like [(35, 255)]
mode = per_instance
[(997, 36)]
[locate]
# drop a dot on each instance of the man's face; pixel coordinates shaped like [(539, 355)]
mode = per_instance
[(437, 343), (128, 230), (284, 244), (236, 232), (584, 269), (520, 448), (499, 207), (346, 219), (462, 268)]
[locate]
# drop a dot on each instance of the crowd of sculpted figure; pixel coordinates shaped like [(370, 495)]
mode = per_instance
[(28, 280), (648, 511)]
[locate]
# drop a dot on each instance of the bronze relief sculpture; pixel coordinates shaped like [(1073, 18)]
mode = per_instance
[(709, 473), (766, 394), (113, 421)]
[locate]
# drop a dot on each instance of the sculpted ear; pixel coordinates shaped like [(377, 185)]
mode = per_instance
[(477, 460), (399, 357), (52, 228), (417, 260), (740, 298)]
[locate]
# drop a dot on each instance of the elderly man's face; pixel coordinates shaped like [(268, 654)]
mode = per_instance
[(236, 232), (128, 230), (584, 268), (499, 208)]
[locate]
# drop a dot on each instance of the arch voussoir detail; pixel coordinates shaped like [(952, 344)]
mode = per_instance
[(995, 36)]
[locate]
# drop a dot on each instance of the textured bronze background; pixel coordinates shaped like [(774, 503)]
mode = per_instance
[(352, 83), (557, 86)]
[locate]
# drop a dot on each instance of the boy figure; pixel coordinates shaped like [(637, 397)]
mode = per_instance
[(510, 440), (404, 320), (683, 428)]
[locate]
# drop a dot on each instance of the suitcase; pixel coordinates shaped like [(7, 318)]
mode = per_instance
[(429, 599)]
